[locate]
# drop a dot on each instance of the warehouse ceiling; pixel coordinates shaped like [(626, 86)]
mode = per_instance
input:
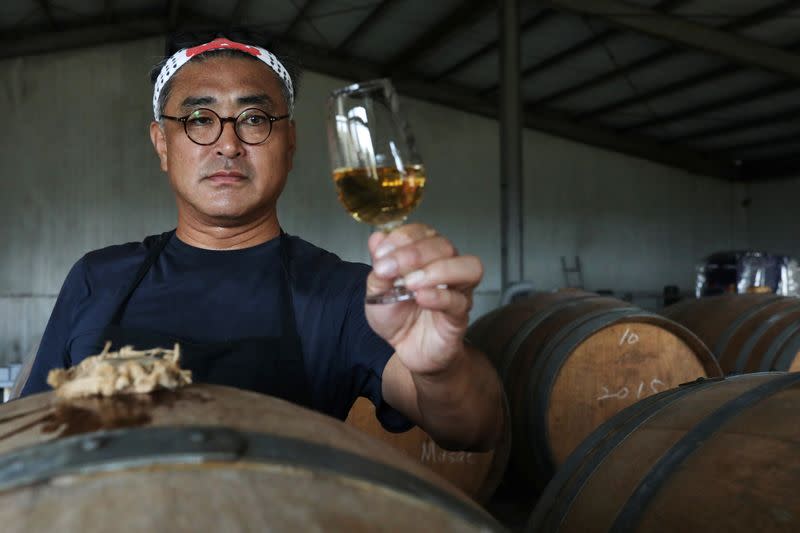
[(711, 86)]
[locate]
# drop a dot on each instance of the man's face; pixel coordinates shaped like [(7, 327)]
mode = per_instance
[(227, 182)]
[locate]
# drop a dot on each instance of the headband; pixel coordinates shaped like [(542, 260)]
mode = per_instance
[(183, 56)]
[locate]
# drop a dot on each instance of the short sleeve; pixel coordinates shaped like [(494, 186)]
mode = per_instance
[(368, 354), (53, 350)]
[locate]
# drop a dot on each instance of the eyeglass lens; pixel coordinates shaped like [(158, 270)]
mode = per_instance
[(204, 126)]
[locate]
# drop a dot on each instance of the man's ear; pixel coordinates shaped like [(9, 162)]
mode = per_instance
[(292, 145), (159, 143)]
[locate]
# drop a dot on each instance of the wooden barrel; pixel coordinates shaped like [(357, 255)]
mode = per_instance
[(477, 474), (571, 360), (210, 458), (723, 455), (746, 332)]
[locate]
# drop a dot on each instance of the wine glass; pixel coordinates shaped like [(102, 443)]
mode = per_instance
[(378, 173)]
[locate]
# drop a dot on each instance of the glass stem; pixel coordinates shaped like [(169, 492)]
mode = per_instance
[(387, 227)]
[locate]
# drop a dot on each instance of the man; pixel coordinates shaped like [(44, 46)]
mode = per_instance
[(255, 308)]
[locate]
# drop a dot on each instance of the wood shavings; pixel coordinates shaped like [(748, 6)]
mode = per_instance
[(127, 371)]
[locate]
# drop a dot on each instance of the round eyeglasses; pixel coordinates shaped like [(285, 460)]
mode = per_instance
[(203, 126)]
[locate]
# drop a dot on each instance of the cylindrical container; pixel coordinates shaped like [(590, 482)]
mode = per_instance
[(746, 332), (210, 458), (570, 361), (477, 474), (721, 455)]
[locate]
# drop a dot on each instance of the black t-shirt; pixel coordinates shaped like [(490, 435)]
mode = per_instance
[(212, 295)]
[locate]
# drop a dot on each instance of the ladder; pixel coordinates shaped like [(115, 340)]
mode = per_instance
[(573, 275)]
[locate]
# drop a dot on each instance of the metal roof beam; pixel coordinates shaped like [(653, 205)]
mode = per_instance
[(603, 78), (464, 15), (340, 65), (679, 85), (301, 15), (48, 13), (538, 19), (735, 48), (563, 55), (545, 120), (775, 140), (735, 126), (754, 19), (369, 20), (80, 36), (638, 146), (108, 10), (586, 44), (776, 168), (708, 107), (172, 17), (236, 14)]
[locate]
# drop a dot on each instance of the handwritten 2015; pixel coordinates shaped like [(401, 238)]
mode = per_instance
[(656, 385)]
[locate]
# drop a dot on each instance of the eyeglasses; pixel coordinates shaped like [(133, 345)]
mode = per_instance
[(203, 126)]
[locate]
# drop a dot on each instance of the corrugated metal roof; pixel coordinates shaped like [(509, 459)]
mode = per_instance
[(595, 76)]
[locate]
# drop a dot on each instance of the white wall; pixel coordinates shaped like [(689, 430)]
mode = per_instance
[(636, 225), (79, 173)]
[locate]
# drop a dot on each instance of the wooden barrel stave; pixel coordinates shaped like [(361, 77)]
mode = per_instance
[(302, 448), (745, 332), (545, 430), (477, 474), (500, 331), (683, 460), (92, 503), (535, 362), (714, 323), (737, 334), (505, 360), (780, 349), (789, 357), (646, 374), (754, 351), (527, 458), (554, 388), (645, 446)]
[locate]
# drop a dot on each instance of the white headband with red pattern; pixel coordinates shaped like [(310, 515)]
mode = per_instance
[(183, 56)]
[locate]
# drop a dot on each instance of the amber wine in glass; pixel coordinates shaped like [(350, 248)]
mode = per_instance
[(377, 171)]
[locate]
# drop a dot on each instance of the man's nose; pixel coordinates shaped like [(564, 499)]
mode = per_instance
[(229, 144)]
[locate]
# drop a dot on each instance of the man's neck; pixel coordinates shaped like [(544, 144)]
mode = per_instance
[(203, 234)]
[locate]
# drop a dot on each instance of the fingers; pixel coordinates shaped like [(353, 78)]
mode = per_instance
[(463, 271), (377, 284), (430, 265), (456, 304), (413, 256), (381, 244), (407, 249)]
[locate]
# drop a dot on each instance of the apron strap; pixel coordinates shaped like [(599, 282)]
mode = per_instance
[(291, 345), (152, 256), (293, 383), (289, 324)]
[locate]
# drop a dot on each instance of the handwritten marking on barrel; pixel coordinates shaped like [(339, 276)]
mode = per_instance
[(654, 382), (629, 336), (433, 454), (625, 391)]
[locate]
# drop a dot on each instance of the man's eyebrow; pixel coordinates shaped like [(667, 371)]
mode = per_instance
[(197, 101), (256, 99), (264, 99)]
